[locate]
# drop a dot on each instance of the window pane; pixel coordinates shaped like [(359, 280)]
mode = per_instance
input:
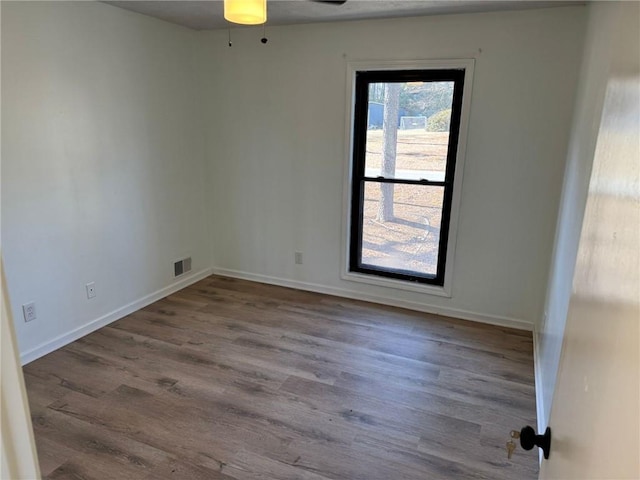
[(401, 227), (410, 120)]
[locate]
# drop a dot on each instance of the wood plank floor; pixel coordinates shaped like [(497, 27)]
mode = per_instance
[(230, 379)]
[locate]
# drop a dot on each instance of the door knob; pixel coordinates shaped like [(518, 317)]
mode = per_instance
[(529, 439)]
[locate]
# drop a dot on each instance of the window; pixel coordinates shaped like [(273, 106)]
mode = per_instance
[(406, 131)]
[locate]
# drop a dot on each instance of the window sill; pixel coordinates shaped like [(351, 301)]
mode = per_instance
[(435, 290)]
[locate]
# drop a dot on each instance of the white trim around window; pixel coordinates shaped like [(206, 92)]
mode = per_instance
[(357, 66)]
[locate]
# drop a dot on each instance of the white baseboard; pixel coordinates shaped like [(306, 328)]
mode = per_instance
[(93, 325), (394, 302)]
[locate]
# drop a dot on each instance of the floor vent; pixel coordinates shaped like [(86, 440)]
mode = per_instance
[(181, 267)]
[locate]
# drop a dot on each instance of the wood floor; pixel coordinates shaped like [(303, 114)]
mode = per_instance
[(230, 379)]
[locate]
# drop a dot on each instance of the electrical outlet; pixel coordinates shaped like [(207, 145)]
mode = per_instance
[(298, 258), (91, 290), (29, 311)]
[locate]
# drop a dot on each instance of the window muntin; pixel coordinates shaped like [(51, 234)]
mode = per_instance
[(417, 184)]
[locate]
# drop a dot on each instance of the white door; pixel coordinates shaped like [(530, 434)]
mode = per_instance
[(595, 414)]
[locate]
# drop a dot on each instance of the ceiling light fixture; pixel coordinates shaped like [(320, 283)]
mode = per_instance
[(246, 12)]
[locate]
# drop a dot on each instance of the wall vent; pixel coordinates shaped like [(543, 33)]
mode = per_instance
[(181, 267)]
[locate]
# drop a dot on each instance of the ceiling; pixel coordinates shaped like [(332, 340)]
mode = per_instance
[(208, 15)]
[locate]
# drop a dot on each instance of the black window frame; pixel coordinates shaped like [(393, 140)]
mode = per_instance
[(358, 180)]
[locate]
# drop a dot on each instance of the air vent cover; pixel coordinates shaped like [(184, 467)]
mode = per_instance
[(181, 267)]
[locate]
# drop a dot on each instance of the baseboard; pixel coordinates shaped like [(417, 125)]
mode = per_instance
[(394, 302), (93, 325)]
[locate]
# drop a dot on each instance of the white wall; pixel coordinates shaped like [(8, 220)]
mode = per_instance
[(276, 145), (129, 143), (586, 122), (102, 163)]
